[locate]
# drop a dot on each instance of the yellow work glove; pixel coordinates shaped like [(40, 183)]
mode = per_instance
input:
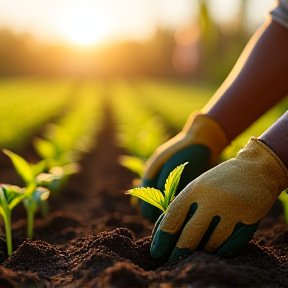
[(220, 210), (199, 143)]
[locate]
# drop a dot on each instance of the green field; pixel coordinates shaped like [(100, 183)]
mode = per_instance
[(145, 110), (60, 119)]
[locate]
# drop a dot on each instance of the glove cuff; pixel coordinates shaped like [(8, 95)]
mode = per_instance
[(278, 169), (204, 130)]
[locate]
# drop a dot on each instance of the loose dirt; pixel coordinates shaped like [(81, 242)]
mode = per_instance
[(93, 237)]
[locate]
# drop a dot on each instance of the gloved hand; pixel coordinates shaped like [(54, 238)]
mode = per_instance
[(220, 210), (199, 143)]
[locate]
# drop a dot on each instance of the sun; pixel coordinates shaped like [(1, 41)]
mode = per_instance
[(84, 25)]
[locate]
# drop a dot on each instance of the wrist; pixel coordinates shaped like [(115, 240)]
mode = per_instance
[(268, 166)]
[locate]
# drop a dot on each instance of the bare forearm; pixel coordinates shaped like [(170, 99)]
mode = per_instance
[(257, 82)]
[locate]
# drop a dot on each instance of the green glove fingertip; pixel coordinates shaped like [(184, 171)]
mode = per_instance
[(240, 237), (163, 244), (179, 253)]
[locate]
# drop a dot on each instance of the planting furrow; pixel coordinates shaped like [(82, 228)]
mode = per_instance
[(61, 147), (94, 238)]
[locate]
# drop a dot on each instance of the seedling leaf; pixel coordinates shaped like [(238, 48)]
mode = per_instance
[(3, 201), (156, 197), (45, 148), (13, 195), (38, 167), (150, 195), (44, 178), (22, 167), (40, 194), (172, 183), (10, 196)]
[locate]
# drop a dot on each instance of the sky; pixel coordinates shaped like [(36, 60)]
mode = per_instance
[(90, 21)]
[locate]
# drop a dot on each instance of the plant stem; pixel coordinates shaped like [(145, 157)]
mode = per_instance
[(8, 231), (30, 221), (44, 208)]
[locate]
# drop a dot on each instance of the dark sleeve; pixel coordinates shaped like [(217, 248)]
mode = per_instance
[(280, 13)]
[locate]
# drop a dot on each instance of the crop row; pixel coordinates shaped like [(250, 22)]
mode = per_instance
[(27, 103), (69, 115), (140, 131), (60, 146)]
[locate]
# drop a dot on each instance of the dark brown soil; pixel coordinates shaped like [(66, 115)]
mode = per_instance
[(93, 237)]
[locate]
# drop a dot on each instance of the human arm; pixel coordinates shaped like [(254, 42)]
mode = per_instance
[(256, 83)]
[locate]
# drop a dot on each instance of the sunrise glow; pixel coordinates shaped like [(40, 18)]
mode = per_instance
[(84, 26)]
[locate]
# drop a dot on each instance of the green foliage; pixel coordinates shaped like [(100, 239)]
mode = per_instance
[(26, 171), (61, 146), (31, 203), (63, 143), (23, 108), (173, 101), (139, 130), (45, 148), (10, 196), (154, 196), (29, 173)]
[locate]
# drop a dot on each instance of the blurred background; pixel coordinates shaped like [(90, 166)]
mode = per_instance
[(150, 63), (159, 38), (145, 56)]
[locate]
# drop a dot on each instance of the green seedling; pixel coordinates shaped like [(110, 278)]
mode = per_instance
[(60, 164), (57, 177), (53, 153), (32, 195), (31, 203), (10, 197), (154, 196)]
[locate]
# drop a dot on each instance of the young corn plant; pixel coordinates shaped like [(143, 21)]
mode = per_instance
[(33, 195), (10, 197), (154, 196)]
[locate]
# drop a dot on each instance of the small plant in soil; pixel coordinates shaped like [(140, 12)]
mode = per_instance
[(33, 195), (59, 163), (10, 197), (154, 196)]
